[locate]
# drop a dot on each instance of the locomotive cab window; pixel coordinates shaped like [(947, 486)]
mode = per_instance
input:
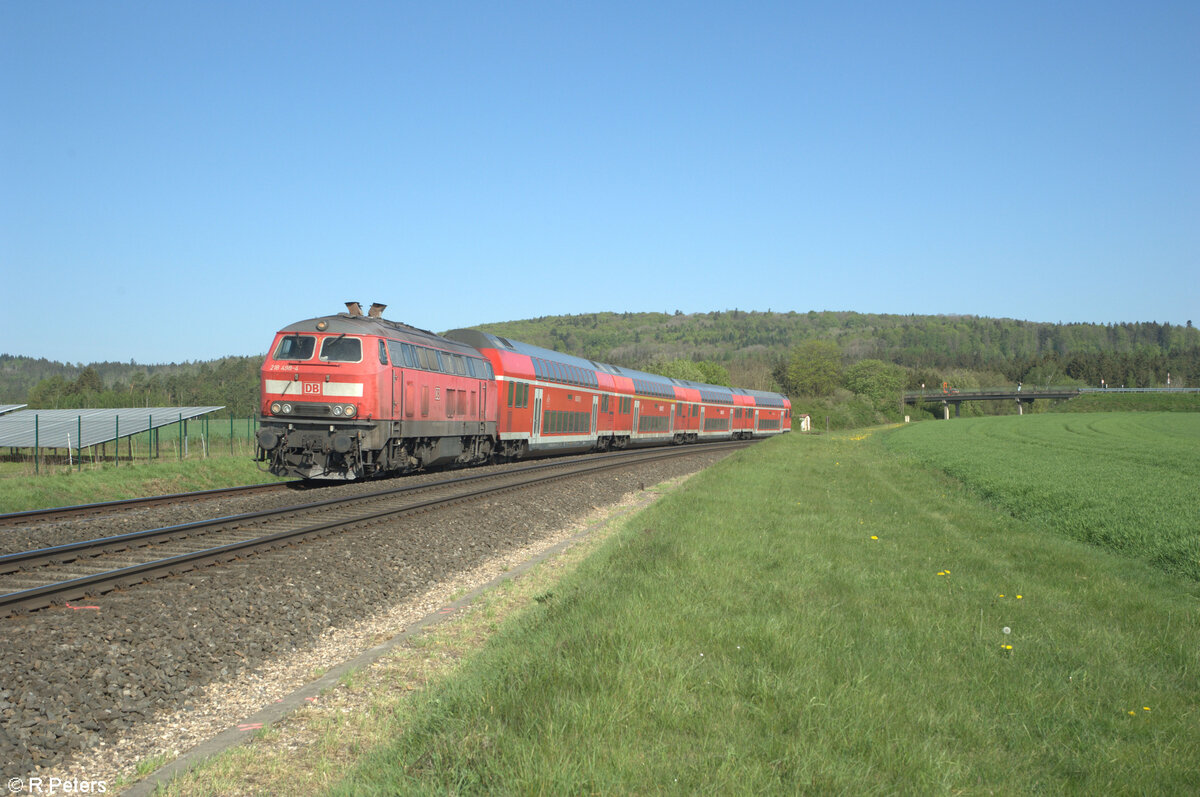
[(341, 350), (296, 347)]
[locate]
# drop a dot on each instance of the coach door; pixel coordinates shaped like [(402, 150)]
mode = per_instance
[(637, 411), (535, 433), (595, 409), (700, 427)]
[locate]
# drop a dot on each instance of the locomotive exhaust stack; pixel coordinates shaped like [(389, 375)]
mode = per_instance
[(376, 310), (355, 309)]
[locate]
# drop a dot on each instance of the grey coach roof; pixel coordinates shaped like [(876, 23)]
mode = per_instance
[(64, 428)]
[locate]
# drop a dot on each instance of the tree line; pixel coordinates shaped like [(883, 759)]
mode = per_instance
[(231, 382), (814, 355)]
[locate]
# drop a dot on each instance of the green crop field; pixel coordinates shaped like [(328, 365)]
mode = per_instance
[(1126, 481)]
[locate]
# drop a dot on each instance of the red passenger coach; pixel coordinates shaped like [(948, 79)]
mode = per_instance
[(551, 401)]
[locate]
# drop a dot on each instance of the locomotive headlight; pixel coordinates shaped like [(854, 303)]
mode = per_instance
[(350, 410), (287, 408), (337, 409), (275, 408)]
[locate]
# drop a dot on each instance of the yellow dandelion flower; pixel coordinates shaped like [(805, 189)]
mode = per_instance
[(947, 572), (1018, 597), (1001, 594), (1132, 713), (874, 537), (1145, 708)]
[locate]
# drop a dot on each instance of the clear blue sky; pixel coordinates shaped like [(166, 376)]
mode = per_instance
[(179, 179)]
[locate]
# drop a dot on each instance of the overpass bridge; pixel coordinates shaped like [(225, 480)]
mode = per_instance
[(1020, 395)]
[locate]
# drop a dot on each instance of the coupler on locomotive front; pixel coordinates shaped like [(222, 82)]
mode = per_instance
[(312, 450)]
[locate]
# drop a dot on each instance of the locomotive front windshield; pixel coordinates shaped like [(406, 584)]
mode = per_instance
[(296, 347), (341, 350)]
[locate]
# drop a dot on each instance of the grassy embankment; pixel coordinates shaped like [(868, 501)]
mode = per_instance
[(216, 459), (816, 613)]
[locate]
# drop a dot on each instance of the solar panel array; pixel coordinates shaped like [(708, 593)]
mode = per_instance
[(75, 428), (10, 407)]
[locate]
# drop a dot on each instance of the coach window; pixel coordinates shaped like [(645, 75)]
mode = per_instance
[(341, 349), (296, 347)]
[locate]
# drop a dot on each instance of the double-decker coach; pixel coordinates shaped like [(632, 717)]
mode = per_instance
[(551, 401)]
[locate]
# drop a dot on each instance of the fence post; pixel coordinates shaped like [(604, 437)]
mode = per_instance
[(150, 439), (37, 465), (231, 434), (181, 435), (79, 440)]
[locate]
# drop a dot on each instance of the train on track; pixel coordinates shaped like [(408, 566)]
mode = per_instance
[(353, 396)]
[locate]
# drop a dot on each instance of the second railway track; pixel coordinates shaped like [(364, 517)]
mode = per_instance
[(31, 580)]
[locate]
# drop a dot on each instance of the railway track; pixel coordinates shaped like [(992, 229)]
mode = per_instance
[(107, 507), (32, 580)]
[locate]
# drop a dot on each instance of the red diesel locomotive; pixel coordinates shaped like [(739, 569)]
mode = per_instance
[(350, 396)]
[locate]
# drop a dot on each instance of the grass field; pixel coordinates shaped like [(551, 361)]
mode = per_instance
[(64, 486), (814, 614), (1126, 481), (1114, 401), (217, 454)]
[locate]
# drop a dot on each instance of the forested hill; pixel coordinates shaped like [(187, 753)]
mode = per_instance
[(45, 384), (910, 340), (746, 342), (751, 346)]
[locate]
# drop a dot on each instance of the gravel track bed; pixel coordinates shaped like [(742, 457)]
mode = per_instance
[(80, 680), (49, 533)]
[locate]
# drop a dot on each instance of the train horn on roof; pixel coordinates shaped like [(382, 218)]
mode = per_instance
[(355, 309), (376, 310)]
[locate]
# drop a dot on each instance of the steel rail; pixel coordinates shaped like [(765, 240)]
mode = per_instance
[(85, 510), (46, 595)]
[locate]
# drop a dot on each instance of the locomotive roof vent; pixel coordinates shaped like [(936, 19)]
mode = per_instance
[(376, 310), (355, 309)]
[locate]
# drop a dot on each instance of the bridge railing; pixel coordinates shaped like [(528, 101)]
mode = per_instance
[(1035, 391), (987, 391)]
